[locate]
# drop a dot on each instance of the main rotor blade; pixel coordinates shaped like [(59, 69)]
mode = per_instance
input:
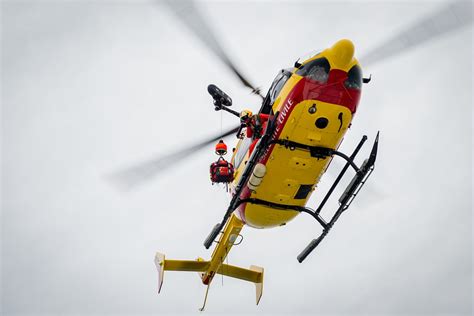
[(140, 173), (190, 16), (451, 17)]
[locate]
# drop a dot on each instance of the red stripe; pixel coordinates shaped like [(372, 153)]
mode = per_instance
[(333, 91)]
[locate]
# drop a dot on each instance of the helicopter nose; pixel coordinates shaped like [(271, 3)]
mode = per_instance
[(342, 53)]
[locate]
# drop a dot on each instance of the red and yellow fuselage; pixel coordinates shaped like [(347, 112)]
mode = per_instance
[(311, 105), (315, 107)]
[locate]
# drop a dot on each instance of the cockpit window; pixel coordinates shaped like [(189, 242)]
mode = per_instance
[(317, 70), (354, 78)]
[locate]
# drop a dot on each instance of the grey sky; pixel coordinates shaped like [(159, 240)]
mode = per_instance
[(91, 87)]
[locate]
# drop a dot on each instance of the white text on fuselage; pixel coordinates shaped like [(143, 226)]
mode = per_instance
[(282, 117), (284, 113)]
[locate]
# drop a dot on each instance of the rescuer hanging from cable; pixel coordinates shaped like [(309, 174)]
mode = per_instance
[(221, 171)]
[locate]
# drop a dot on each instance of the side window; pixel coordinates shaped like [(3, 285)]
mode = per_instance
[(317, 70), (278, 84), (275, 89), (242, 151), (354, 78)]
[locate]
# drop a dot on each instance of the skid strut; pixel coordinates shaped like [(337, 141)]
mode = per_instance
[(361, 176), (346, 198)]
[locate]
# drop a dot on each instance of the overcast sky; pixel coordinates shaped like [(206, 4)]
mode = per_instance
[(90, 87)]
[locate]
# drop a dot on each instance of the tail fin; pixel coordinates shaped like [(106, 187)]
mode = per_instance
[(254, 274)]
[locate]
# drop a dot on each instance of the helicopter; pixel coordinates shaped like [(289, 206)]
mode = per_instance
[(282, 151)]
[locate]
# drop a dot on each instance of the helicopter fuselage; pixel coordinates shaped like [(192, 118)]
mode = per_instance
[(308, 112)]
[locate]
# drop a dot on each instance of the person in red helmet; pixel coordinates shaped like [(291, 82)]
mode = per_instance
[(254, 123), (221, 171)]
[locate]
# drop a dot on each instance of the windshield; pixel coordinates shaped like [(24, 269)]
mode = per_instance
[(317, 70), (354, 78)]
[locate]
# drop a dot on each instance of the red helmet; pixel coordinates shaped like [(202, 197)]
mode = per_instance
[(221, 148)]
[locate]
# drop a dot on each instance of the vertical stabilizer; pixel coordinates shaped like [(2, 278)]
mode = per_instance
[(160, 265), (258, 285)]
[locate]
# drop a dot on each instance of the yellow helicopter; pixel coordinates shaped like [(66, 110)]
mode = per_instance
[(281, 154)]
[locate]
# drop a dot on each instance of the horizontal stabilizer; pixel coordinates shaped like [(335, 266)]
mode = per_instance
[(254, 274), (177, 265), (241, 273), (186, 265)]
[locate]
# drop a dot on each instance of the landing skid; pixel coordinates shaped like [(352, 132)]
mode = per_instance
[(362, 174), (354, 187)]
